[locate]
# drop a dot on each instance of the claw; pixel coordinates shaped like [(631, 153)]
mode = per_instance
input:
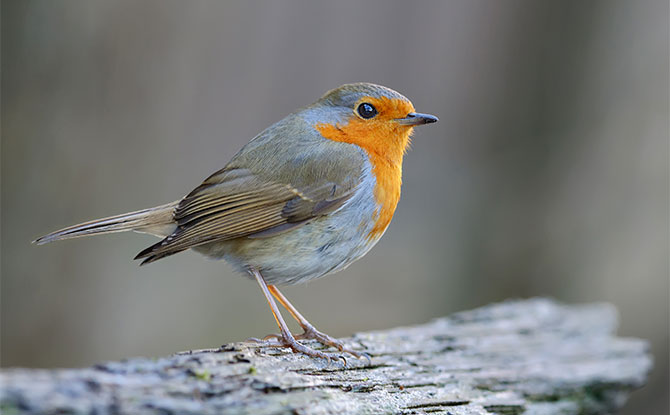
[(344, 360), (272, 336), (366, 356)]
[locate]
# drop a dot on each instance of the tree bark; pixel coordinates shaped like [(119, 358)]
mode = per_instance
[(532, 356)]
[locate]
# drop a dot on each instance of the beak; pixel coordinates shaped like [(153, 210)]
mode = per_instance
[(416, 118)]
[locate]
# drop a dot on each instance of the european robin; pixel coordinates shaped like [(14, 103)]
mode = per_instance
[(305, 198)]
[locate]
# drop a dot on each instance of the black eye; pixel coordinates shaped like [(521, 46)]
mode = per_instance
[(366, 110)]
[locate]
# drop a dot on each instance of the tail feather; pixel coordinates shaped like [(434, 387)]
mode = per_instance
[(157, 221)]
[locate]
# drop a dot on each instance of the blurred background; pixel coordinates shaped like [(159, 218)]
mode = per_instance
[(546, 176)]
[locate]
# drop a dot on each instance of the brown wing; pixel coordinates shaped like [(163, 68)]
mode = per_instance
[(234, 203)]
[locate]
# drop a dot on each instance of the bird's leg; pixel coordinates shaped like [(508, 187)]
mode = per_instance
[(309, 331), (286, 339)]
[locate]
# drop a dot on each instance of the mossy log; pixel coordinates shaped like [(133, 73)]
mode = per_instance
[(531, 356)]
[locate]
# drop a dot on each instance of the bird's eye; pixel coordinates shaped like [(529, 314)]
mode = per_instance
[(366, 110)]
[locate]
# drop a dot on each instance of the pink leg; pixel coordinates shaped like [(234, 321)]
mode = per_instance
[(286, 339), (310, 332)]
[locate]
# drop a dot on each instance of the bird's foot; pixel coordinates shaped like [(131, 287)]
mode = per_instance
[(297, 347), (311, 333)]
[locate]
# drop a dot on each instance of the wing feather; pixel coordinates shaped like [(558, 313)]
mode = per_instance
[(235, 203)]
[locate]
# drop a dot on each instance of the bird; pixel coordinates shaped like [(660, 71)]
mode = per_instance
[(305, 198)]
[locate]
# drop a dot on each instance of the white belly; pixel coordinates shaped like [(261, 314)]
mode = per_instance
[(325, 245)]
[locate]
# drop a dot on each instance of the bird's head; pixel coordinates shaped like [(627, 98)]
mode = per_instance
[(378, 119)]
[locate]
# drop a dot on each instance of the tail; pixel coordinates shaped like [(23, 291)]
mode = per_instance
[(157, 221)]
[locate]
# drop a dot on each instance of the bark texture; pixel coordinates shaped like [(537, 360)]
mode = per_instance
[(532, 356)]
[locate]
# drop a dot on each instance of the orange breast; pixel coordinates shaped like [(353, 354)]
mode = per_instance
[(385, 143)]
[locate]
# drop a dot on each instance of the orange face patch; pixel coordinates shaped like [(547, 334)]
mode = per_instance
[(385, 142)]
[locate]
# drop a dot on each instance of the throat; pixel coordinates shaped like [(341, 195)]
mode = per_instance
[(388, 177)]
